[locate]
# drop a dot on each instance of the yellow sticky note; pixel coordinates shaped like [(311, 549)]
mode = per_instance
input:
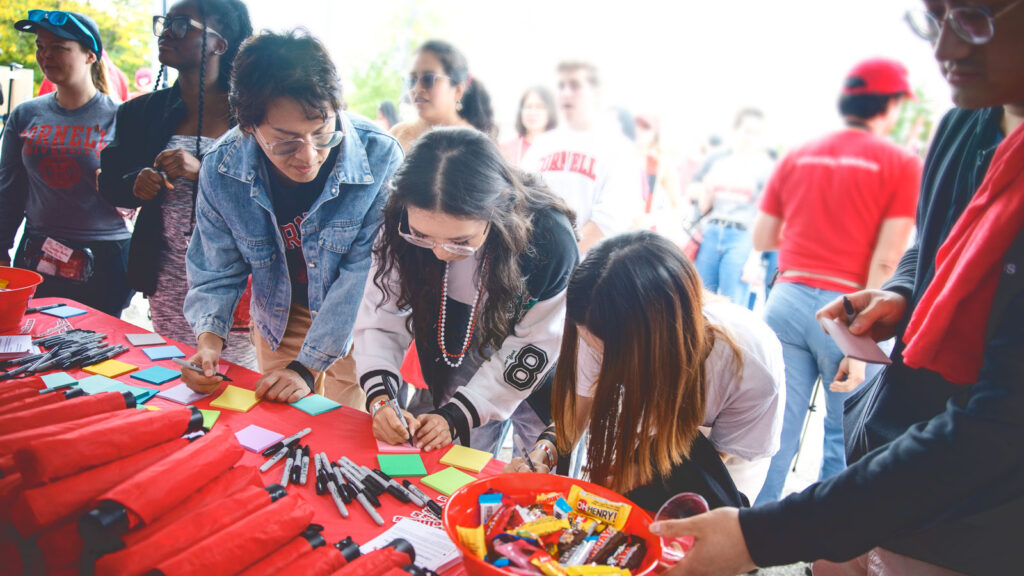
[(466, 458), (110, 368), (235, 398)]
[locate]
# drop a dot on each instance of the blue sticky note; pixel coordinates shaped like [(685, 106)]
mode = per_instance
[(64, 311), (57, 379), (315, 404), (163, 352), (156, 375), (97, 384)]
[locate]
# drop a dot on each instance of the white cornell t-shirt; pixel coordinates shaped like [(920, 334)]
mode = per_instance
[(744, 413)]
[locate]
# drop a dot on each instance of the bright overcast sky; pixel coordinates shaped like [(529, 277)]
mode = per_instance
[(692, 63)]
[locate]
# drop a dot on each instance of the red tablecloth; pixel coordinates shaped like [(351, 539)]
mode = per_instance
[(341, 432)]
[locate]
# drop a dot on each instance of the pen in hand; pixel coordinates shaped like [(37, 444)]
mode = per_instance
[(526, 456), (197, 368), (398, 411), (850, 312)]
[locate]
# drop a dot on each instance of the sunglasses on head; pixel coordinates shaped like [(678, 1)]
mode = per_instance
[(60, 18), (427, 80)]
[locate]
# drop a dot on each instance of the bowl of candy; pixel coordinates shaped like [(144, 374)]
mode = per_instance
[(544, 524)]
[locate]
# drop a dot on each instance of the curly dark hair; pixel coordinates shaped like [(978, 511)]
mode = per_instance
[(476, 101), (293, 65), (461, 172)]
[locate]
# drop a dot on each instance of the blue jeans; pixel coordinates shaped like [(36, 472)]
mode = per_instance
[(720, 260), (809, 353)]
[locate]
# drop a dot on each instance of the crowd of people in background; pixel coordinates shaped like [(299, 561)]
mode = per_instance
[(569, 280)]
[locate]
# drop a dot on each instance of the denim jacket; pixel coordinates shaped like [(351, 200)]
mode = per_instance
[(236, 234)]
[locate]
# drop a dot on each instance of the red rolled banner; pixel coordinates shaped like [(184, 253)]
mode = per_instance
[(281, 559), (181, 535), (63, 411), (39, 508), (177, 476), (36, 400), (376, 562), (10, 488), (7, 465), (11, 396), (33, 382), (51, 458), (245, 542), (11, 559), (11, 442), (61, 546), (319, 562), (221, 487)]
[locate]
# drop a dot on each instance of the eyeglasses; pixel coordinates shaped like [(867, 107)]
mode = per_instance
[(421, 242), (973, 24), (59, 18), (178, 25), (293, 145), (427, 80)]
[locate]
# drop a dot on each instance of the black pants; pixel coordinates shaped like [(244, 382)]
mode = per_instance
[(107, 291)]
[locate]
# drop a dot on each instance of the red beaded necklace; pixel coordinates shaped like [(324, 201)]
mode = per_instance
[(442, 316)]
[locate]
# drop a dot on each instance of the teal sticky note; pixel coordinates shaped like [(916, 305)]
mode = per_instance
[(401, 465), (156, 375), (64, 311), (97, 384), (315, 404), (57, 379)]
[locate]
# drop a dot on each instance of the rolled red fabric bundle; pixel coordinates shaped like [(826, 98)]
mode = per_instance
[(177, 476), (11, 396), (11, 442), (245, 542), (11, 557), (376, 562), (64, 411), (281, 559), (31, 402), (7, 465), (51, 458), (61, 546), (221, 487), (319, 562), (183, 534), (33, 382), (39, 508), (10, 488)]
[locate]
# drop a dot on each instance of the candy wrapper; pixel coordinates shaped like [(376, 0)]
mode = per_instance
[(601, 509)]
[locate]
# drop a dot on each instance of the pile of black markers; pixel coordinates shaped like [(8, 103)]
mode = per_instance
[(344, 480), (73, 349)]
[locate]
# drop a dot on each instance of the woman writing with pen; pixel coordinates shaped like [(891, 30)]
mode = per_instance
[(472, 263)]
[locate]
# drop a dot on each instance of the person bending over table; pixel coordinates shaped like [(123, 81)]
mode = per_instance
[(292, 195), (472, 263), (647, 365)]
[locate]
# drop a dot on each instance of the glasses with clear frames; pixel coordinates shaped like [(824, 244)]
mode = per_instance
[(973, 24), (293, 145), (427, 80), (421, 242)]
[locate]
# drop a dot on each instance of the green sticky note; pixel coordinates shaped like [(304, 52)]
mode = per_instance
[(57, 379), (447, 481), (315, 404), (97, 384), (401, 465), (209, 418)]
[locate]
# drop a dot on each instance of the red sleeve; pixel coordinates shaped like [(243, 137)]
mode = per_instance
[(908, 186), (771, 202)]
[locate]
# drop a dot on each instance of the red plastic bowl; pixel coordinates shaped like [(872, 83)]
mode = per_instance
[(21, 285), (463, 509)]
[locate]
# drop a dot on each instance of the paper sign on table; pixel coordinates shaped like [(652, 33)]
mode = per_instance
[(144, 339), (57, 379), (434, 549), (236, 399), (256, 438), (15, 346), (315, 404), (401, 465), (403, 448), (156, 375), (209, 418), (447, 481), (181, 394), (64, 311), (163, 353), (466, 458), (99, 383), (110, 368), (857, 347)]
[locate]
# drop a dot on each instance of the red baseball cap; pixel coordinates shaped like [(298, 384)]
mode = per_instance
[(878, 76)]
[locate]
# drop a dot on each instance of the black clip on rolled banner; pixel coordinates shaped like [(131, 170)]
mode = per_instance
[(129, 400), (403, 546), (276, 492), (101, 528), (348, 548), (313, 535), (195, 421)]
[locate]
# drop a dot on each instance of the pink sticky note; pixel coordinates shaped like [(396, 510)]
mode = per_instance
[(257, 439), (857, 347), (404, 448)]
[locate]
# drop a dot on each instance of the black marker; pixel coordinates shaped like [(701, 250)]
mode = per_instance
[(288, 467), (304, 468), (408, 496), (287, 441), (41, 308), (281, 454), (394, 404), (432, 506), (526, 456), (321, 486), (850, 312), (346, 492), (197, 368)]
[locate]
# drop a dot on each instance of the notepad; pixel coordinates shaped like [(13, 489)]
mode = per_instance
[(144, 339), (163, 353), (466, 458), (256, 438), (403, 448), (434, 549), (315, 404), (447, 481), (64, 311), (209, 418), (156, 375), (236, 399), (100, 383), (857, 347), (57, 379), (181, 394), (402, 465), (110, 368)]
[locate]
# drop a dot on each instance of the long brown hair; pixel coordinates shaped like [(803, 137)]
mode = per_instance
[(461, 172), (643, 298)]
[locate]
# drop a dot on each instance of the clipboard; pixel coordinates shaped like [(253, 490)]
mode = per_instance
[(857, 347)]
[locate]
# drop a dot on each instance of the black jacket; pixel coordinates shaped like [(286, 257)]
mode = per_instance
[(144, 126)]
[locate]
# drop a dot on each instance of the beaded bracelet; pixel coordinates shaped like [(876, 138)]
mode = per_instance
[(551, 456), (377, 405)]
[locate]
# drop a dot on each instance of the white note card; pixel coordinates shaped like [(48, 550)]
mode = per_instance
[(434, 549)]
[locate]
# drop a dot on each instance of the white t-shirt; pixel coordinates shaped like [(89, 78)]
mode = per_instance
[(743, 413), (597, 172)]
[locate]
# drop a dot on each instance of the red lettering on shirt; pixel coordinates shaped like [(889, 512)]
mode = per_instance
[(60, 172), (76, 136), (42, 134), (291, 234), (60, 133), (569, 162)]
